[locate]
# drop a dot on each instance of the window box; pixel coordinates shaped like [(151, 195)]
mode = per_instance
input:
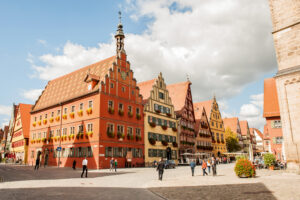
[(79, 135), (164, 142), (157, 111), (32, 141), (90, 133), (174, 129), (80, 113), (152, 124), (138, 138), (169, 114), (51, 120), (65, 116), (138, 116), (120, 135), (34, 124), (129, 136), (152, 141), (72, 115), (44, 140), (56, 138), (110, 134), (184, 127), (45, 121), (218, 141), (71, 136), (89, 111), (222, 141), (164, 127), (175, 144), (111, 110), (130, 114), (121, 112), (213, 141), (39, 122)]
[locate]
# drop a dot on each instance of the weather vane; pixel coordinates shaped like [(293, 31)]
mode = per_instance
[(120, 16)]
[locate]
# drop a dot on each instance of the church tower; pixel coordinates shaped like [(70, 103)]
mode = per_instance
[(285, 16)]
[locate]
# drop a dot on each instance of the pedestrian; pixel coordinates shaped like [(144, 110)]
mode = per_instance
[(193, 165), (116, 165), (74, 165), (112, 163), (160, 168), (214, 166), (37, 163), (208, 165), (204, 165), (84, 167)]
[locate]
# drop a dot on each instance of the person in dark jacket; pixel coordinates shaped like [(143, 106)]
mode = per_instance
[(193, 165), (37, 164), (74, 164), (160, 168)]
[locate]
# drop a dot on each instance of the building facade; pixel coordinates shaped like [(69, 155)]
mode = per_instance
[(273, 120), (160, 123), (285, 16), (203, 141), (216, 126), (246, 138), (94, 112), (259, 137), (234, 126), (20, 134), (182, 100)]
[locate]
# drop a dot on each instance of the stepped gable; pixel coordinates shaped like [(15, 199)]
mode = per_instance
[(271, 106), (207, 106), (25, 118), (232, 123), (74, 84), (244, 127), (145, 88), (178, 93)]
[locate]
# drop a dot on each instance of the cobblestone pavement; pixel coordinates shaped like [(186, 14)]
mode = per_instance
[(177, 184)]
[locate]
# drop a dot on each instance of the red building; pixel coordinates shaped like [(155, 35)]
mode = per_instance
[(272, 129), (95, 112)]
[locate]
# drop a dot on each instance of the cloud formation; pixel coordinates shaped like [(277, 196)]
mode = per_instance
[(5, 110), (32, 95)]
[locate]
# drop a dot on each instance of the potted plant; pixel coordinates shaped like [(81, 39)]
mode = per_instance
[(110, 134), (158, 111), (152, 124), (44, 140), (121, 112), (130, 114), (90, 133), (89, 111), (138, 137), (45, 121), (40, 122), (269, 160), (111, 110), (152, 141), (164, 127), (244, 168), (51, 120), (119, 135), (72, 115), (65, 116), (175, 144), (57, 118), (138, 116), (80, 113), (169, 114), (164, 142), (174, 129), (34, 124)]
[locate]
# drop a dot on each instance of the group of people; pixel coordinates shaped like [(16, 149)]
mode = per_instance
[(113, 165), (205, 164)]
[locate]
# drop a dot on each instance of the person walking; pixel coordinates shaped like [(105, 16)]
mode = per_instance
[(37, 163), (208, 165), (112, 163), (160, 168), (116, 165), (84, 167), (74, 165), (204, 165), (193, 165), (214, 166)]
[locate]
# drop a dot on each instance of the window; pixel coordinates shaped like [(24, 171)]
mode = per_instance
[(58, 112), (65, 110), (40, 117), (212, 123), (123, 89), (159, 121), (132, 92), (65, 131), (45, 135), (72, 130), (137, 111), (110, 104), (161, 95), (80, 129), (51, 134), (81, 106), (90, 152), (129, 131), (73, 109), (110, 127), (45, 116), (222, 138), (130, 109), (216, 124), (90, 104), (90, 127), (138, 132), (39, 135), (120, 106), (120, 129), (221, 126), (111, 85), (276, 124), (35, 119), (52, 114), (58, 132)]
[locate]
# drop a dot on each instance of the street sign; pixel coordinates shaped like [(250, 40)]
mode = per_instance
[(58, 149)]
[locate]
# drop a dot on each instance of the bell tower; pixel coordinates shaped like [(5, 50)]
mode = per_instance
[(120, 37)]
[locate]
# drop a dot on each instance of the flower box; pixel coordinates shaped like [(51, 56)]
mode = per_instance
[(120, 135), (138, 116), (110, 134), (65, 116), (45, 121), (121, 112), (34, 124), (130, 114), (138, 138), (90, 133), (152, 124), (80, 113), (130, 136), (72, 115), (44, 140), (164, 142), (111, 110), (152, 141), (164, 127), (89, 111), (51, 120), (32, 141), (79, 135), (174, 129), (157, 111), (169, 114), (57, 118), (39, 122), (175, 144)]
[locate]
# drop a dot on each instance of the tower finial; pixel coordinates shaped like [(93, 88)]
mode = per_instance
[(120, 36), (187, 78), (120, 17)]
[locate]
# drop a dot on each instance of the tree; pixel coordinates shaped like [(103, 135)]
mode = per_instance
[(232, 142)]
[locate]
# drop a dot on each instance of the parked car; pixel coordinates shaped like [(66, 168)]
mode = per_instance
[(169, 164)]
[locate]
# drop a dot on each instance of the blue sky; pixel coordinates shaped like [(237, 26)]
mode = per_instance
[(33, 29)]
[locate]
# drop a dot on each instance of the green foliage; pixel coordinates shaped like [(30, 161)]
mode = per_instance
[(240, 157), (244, 168), (269, 159), (232, 144)]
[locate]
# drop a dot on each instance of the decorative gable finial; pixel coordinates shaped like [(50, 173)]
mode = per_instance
[(120, 36)]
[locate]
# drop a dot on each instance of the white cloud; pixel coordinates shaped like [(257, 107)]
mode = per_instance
[(42, 42), (257, 100), (5, 110), (5, 122), (32, 95), (249, 110)]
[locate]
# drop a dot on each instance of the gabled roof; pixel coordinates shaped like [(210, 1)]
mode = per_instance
[(259, 133), (244, 127), (271, 106), (25, 118), (232, 123), (207, 106), (198, 111), (145, 88), (178, 93), (72, 85)]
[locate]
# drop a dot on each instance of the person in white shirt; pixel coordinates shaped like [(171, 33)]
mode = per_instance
[(84, 167)]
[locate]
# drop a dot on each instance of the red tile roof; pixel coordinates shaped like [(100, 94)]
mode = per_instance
[(198, 111), (207, 106), (25, 118), (259, 133), (232, 123), (72, 85), (271, 106), (145, 88), (244, 127), (178, 92)]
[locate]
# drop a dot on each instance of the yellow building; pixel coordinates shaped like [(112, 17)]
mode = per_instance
[(20, 134), (160, 124), (216, 126)]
